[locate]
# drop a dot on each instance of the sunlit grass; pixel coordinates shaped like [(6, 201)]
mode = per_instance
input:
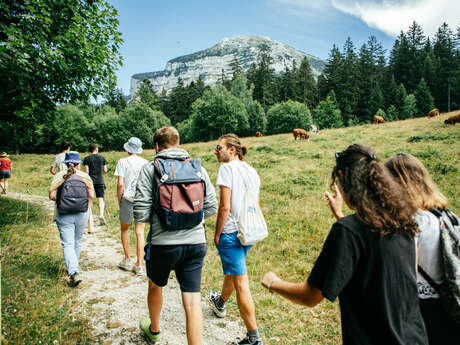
[(36, 302), (294, 177)]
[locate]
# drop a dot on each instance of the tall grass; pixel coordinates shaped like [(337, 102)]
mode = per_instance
[(294, 177), (36, 301)]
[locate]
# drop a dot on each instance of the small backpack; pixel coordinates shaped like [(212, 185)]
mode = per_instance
[(72, 195), (180, 190), (449, 289), (251, 223)]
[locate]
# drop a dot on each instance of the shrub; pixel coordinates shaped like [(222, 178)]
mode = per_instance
[(283, 117)]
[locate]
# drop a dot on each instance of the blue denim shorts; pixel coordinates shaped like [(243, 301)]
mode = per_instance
[(232, 254)]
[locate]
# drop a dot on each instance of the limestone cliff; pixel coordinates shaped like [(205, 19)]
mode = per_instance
[(209, 63)]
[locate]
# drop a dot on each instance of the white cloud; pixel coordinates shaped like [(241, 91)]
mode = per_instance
[(392, 16)]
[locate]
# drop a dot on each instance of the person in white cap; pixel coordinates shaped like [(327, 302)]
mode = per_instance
[(127, 171)]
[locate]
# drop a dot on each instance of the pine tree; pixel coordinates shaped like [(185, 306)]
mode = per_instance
[(376, 101), (409, 108), (350, 77), (425, 101), (401, 95), (262, 76), (306, 85), (145, 94), (447, 68), (236, 67)]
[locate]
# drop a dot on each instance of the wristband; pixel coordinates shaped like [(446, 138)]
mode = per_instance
[(269, 285)]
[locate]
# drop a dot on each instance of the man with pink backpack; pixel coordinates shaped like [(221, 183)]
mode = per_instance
[(175, 195)]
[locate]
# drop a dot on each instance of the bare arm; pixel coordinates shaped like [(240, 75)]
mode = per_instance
[(86, 169), (105, 168), (223, 212), (299, 293), (120, 189), (52, 170)]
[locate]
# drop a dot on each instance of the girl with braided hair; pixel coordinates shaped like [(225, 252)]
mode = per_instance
[(368, 259)]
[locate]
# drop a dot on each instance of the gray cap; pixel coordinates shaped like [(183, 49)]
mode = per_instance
[(134, 145)]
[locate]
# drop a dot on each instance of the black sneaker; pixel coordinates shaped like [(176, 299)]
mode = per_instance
[(212, 299), (75, 280), (246, 341)]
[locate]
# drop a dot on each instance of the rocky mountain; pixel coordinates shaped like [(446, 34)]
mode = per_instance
[(209, 63)]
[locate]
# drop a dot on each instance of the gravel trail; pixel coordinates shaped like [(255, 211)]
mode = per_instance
[(114, 300)]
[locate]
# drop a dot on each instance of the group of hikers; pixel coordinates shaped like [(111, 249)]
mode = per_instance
[(371, 259)]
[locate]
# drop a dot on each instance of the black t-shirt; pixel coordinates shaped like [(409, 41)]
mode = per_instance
[(95, 163), (375, 280)]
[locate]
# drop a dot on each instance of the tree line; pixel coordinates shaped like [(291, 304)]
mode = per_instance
[(418, 74)]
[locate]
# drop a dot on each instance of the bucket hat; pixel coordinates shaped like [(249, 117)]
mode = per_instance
[(4, 154), (72, 158), (133, 145)]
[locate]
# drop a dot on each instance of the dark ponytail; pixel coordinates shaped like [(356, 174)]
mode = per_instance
[(379, 201)]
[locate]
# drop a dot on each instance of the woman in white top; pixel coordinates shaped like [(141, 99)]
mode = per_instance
[(416, 180)]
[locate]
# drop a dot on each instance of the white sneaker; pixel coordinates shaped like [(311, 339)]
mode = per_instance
[(138, 270), (126, 264)]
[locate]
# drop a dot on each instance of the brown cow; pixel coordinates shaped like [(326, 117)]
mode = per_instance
[(433, 113), (378, 119), (258, 134), (452, 120), (301, 133)]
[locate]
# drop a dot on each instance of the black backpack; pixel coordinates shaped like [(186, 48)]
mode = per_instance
[(72, 195), (449, 289)]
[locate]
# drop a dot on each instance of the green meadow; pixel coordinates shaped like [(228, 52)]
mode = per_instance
[(294, 177)]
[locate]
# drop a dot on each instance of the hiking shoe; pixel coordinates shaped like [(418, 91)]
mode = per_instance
[(126, 264), (75, 280), (144, 325), (246, 341), (102, 220), (138, 270), (212, 299)]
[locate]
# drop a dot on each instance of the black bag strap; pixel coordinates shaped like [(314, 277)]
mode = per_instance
[(429, 280)]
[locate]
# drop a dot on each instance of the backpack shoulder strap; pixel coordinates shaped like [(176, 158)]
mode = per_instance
[(429, 279)]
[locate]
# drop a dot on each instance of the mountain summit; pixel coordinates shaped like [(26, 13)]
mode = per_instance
[(209, 64)]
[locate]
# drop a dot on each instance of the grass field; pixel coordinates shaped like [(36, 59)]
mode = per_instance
[(294, 177)]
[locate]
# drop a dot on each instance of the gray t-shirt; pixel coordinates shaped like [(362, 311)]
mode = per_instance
[(144, 208)]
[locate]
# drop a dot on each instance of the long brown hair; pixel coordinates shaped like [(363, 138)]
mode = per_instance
[(233, 140), (379, 201), (415, 179)]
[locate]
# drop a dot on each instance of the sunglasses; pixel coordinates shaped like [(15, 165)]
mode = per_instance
[(218, 148)]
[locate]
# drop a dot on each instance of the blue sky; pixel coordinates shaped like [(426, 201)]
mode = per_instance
[(156, 31)]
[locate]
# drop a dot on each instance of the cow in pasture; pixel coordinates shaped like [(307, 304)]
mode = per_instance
[(301, 133), (433, 113), (258, 134), (378, 119), (313, 129), (452, 120)]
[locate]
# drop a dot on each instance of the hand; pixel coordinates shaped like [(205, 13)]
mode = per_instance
[(269, 277), (335, 202), (217, 240)]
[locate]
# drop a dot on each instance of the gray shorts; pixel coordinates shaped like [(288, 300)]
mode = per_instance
[(126, 211)]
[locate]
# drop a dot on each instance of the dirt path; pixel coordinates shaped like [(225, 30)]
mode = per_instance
[(114, 300)]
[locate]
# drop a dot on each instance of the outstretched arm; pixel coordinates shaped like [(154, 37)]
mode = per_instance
[(299, 293)]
